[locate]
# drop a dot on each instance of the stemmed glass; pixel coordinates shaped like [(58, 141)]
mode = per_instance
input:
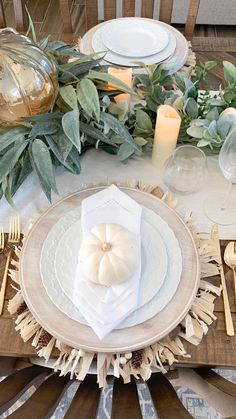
[(185, 170), (221, 208)]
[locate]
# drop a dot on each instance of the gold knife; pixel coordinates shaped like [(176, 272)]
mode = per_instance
[(228, 316)]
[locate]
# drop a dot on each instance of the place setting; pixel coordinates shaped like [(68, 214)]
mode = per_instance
[(116, 270), (132, 42)]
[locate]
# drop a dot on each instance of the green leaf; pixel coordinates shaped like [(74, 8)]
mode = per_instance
[(94, 133), (191, 108), (229, 95), (143, 120), (21, 172), (87, 96), (213, 129), (196, 132), (44, 128), (45, 117), (68, 94), (140, 141), (96, 75), (209, 65), (80, 60), (216, 102), (64, 146), (142, 79), (207, 135), (125, 151), (78, 70), (223, 127), (115, 125), (43, 163), (199, 123), (213, 114), (44, 184), (58, 154), (229, 72), (31, 27), (43, 43), (109, 149), (179, 78), (11, 136), (74, 161), (71, 127), (203, 143), (7, 192), (116, 139), (9, 159)]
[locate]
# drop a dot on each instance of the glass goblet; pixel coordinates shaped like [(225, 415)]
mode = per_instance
[(185, 170), (221, 207)]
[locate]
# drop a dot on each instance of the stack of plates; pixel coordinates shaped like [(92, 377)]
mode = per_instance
[(129, 41), (161, 269), (169, 279)]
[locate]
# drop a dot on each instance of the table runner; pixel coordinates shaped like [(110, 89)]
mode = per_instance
[(139, 363)]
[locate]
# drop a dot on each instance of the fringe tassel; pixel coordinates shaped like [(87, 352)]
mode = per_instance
[(27, 325), (46, 351), (15, 303)]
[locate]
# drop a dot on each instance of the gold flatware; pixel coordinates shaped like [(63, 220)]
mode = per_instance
[(2, 238), (230, 260), (228, 316), (13, 239)]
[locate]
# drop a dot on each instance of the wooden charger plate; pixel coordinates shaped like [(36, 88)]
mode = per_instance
[(81, 336)]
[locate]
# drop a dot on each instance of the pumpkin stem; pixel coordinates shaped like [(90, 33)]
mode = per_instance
[(106, 247)]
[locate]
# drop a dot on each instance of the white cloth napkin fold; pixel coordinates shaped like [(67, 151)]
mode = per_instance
[(105, 307)]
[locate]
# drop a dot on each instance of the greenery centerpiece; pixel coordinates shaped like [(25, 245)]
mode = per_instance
[(85, 115)]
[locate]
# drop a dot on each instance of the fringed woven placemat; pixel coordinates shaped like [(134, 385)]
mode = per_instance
[(138, 363)]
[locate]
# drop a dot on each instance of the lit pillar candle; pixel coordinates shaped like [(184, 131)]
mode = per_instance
[(123, 75), (166, 134)]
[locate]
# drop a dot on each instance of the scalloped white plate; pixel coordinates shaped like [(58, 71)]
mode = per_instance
[(161, 273), (132, 38)]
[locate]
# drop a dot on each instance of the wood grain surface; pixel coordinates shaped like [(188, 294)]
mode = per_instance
[(216, 348)]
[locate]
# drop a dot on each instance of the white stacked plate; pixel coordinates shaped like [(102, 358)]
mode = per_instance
[(129, 41), (161, 266)]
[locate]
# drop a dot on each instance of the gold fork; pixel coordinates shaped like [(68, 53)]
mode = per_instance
[(13, 239)]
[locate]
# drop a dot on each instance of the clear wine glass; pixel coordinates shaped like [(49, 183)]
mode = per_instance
[(185, 170), (221, 208)]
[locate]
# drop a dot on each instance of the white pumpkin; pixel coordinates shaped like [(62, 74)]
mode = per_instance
[(109, 254)]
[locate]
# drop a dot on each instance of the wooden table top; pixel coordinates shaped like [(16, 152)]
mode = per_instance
[(216, 348)]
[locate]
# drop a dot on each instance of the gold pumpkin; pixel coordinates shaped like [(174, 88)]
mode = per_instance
[(28, 78)]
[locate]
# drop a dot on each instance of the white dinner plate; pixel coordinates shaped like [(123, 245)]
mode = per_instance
[(133, 38), (91, 43), (154, 264), (154, 226), (112, 57)]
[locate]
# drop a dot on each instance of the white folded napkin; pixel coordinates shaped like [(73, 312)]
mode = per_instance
[(105, 307)]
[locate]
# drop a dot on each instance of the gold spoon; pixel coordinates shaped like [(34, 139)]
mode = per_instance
[(230, 259)]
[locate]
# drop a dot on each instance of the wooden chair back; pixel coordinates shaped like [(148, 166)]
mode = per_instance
[(147, 10), (49, 389), (21, 20)]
